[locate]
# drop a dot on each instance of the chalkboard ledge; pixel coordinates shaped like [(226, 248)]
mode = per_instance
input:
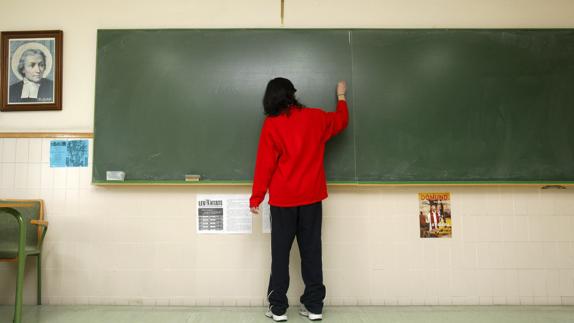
[(191, 183), (548, 184), (169, 183)]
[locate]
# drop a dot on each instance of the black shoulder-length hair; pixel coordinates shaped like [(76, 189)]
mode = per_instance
[(279, 96)]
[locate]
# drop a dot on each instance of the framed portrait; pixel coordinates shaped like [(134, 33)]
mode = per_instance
[(31, 70)]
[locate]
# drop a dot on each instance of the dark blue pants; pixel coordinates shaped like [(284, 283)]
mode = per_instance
[(303, 222)]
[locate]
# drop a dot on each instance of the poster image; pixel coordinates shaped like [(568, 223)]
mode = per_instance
[(69, 153), (435, 217)]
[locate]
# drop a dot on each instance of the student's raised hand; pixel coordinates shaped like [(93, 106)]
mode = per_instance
[(341, 88)]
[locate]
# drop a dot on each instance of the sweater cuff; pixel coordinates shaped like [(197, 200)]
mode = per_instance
[(254, 202)]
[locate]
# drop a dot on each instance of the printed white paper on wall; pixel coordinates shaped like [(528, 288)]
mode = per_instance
[(223, 214)]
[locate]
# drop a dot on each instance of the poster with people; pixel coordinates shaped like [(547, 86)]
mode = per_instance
[(435, 217)]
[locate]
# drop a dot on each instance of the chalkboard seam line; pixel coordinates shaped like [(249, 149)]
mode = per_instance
[(354, 102), (282, 12)]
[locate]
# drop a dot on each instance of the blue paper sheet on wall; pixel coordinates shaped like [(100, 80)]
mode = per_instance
[(69, 153)]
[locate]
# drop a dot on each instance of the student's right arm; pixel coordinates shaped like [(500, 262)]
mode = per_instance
[(265, 164), (338, 120)]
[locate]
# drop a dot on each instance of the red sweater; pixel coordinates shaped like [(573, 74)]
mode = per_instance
[(290, 155)]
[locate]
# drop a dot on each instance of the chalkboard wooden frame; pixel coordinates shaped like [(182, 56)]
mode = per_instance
[(509, 36)]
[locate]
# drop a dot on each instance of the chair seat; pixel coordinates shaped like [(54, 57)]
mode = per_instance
[(10, 250)]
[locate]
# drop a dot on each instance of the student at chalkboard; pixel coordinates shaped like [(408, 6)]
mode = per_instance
[(290, 164)]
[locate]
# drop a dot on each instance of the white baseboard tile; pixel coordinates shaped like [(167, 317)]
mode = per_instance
[(77, 300), (94, 300), (349, 301), (176, 301), (431, 300), (335, 301), (202, 301), (229, 302), (541, 300), (418, 300), (379, 301), (465, 300), (243, 302), (499, 300), (526, 300), (388, 301), (404, 301), (54, 300), (363, 302), (108, 301), (215, 302), (122, 301), (162, 302), (258, 302), (486, 300), (189, 301), (445, 300), (7, 300), (513, 300), (145, 301), (554, 300)]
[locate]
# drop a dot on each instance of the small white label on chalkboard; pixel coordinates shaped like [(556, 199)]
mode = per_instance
[(115, 176)]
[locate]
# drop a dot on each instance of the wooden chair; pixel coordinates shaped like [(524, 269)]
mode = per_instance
[(22, 232)]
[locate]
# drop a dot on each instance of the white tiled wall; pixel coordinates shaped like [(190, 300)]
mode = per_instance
[(510, 245)]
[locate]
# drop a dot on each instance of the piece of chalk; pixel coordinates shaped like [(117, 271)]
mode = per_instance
[(115, 175), (192, 178)]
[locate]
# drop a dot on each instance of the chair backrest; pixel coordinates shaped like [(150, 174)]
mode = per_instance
[(30, 210)]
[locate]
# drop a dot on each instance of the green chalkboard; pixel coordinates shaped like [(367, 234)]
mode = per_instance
[(478, 106)]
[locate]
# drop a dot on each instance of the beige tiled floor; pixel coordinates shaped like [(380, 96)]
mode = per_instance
[(395, 314)]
